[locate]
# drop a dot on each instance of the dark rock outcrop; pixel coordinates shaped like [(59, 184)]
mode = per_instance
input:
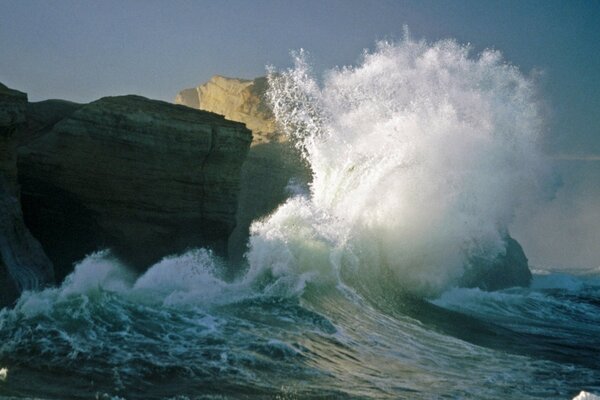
[(508, 269), (43, 115), (23, 263), (272, 162), (266, 177), (143, 177)]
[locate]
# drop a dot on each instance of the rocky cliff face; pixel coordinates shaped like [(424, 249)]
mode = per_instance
[(23, 263), (237, 100), (143, 177), (271, 162), (13, 106)]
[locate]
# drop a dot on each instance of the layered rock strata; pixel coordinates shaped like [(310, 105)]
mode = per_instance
[(142, 177)]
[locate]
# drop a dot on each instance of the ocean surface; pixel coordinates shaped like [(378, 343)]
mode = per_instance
[(421, 154), (104, 335)]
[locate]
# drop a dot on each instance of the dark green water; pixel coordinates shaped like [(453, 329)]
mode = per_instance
[(102, 335)]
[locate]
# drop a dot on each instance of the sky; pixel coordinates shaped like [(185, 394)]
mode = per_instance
[(82, 50)]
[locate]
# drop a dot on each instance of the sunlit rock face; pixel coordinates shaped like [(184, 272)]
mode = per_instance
[(23, 263), (143, 177), (272, 162), (237, 100)]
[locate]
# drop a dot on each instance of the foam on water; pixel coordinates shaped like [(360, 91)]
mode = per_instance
[(190, 279), (420, 156)]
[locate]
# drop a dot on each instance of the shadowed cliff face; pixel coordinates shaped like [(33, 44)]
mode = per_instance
[(23, 264), (143, 177)]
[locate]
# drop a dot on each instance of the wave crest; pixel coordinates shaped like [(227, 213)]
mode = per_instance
[(420, 156)]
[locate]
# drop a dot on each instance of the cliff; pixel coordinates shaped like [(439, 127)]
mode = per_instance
[(271, 162), (143, 177), (23, 263), (237, 100)]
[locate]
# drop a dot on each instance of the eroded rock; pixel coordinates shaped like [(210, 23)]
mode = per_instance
[(143, 177), (23, 263)]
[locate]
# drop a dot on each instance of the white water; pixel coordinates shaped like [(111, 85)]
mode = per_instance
[(420, 157)]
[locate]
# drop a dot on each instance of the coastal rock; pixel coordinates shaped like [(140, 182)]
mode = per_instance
[(237, 100), (13, 106), (272, 162), (23, 263), (271, 173), (508, 269), (43, 115), (142, 177)]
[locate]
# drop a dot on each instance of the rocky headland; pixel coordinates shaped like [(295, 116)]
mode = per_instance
[(239, 100), (145, 178), (23, 263)]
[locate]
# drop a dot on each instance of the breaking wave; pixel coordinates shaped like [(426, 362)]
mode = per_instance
[(420, 156)]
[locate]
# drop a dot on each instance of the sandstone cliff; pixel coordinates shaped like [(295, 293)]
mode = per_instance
[(271, 162), (23, 263), (237, 100), (143, 177)]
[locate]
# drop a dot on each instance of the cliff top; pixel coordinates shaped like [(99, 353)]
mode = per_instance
[(4, 90), (132, 104)]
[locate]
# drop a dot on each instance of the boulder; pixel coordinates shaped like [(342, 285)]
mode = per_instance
[(142, 177), (508, 269), (23, 263)]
